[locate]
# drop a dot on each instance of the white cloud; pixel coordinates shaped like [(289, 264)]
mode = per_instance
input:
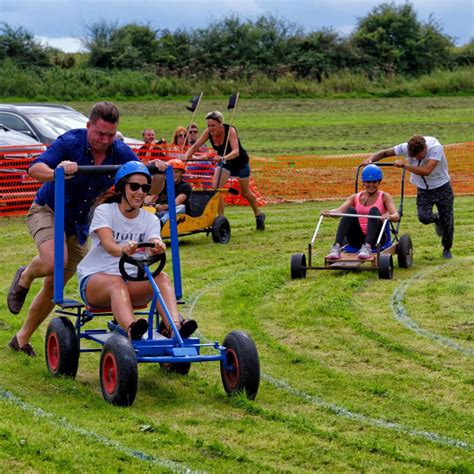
[(66, 44)]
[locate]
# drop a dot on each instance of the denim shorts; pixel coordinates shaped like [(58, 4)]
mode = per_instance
[(82, 288), (242, 173)]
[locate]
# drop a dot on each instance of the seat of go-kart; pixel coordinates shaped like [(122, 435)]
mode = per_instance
[(388, 242), (198, 201)]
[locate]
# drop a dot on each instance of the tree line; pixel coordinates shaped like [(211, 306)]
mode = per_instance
[(390, 41)]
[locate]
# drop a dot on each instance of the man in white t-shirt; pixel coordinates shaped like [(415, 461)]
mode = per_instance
[(429, 173)]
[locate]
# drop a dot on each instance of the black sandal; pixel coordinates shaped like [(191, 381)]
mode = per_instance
[(188, 326), (137, 329)]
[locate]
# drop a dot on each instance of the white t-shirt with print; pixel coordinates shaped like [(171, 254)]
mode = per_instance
[(140, 229), (439, 175)]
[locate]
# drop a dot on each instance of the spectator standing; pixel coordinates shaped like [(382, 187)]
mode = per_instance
[(150, 150)]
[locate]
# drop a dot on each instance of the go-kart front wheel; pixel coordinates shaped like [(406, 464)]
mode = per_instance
[(118, 371), (405, 251), (298, 265), (385, 266), (220, 230), (61, 347), (241, 371)]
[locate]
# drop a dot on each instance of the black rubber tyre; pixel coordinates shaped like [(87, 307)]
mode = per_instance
[(242, 356), (298, 265), (182, 369), (405, 251), (61, 348), (220, 230), (118, 371), (385, 267)]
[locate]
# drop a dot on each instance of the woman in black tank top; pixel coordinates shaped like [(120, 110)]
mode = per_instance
[(234, 160)]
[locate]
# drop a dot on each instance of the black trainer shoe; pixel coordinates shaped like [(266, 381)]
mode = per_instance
[(447, 254), (260, 220)]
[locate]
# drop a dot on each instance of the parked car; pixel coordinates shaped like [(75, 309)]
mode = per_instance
[(44, 122), (11, 138)]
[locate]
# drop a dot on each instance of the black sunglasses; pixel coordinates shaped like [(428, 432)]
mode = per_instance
[(146, 188)]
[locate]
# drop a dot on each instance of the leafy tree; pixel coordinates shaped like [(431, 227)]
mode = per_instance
[(134, 47), (20, 46), (98, 43), (319, 54), (392, 40)]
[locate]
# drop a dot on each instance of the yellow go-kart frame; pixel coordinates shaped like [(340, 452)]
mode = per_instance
[(203, 217)]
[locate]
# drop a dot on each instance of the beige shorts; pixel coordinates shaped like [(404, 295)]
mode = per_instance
[(40, 222)]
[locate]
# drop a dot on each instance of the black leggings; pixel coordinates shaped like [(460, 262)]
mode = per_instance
[(349, 229)]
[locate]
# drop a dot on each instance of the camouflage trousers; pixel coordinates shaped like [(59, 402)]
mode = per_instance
[(443, 199)]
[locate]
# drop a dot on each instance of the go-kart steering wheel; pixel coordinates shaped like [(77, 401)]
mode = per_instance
[(140, 261)]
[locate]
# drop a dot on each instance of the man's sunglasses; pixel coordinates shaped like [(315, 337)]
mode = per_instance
[(146, 188), (192, 131)]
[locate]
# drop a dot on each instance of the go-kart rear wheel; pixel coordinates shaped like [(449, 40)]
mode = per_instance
[(243, 367), (405, 251), (118, 371), (174, 368), (298, 265), (385, 266), (61, 348), (220, 230)]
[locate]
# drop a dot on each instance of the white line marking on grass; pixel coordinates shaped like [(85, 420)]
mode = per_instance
[(377, 422), (61, 423), (402, 316), (338, 410)]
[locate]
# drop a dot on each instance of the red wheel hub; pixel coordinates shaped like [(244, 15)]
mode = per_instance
[(109, 373), (53, 351), (232, 376)]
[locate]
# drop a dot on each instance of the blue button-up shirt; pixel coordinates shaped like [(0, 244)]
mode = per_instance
[(80, 191)]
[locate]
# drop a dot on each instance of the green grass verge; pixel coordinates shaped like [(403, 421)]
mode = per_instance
[(272, 127), (346, 386)]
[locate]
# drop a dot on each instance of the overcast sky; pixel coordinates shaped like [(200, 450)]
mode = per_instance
[(61, 23)]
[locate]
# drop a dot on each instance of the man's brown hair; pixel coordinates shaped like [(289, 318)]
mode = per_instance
[(416, 144), (106, 111)]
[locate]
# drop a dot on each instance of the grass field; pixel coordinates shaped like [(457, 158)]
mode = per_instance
[(347, 385), (292, 126), (358, 374)]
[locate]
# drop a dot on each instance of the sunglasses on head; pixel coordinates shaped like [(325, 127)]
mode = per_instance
[(136, 186)]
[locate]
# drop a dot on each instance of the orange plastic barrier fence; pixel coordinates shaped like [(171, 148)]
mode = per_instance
[(302, 178), (285, 178)]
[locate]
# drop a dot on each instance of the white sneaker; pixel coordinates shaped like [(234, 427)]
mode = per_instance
[(365, 251), (335, 252)]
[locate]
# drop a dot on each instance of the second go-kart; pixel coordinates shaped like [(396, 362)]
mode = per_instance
[(381, 259), (237, 355)]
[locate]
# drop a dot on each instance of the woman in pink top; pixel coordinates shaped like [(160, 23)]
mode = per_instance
[(362, 232)]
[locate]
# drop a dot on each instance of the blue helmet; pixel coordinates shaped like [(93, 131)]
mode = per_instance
[(131, 167), (372, 173)]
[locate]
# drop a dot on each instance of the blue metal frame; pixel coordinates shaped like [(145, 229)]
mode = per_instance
[(154, 347)]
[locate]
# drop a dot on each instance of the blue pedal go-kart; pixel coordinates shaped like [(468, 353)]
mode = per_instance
[(381, 259), (238, 356)]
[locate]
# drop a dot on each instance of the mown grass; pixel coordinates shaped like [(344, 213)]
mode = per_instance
[(271, 127), (345, 386)]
